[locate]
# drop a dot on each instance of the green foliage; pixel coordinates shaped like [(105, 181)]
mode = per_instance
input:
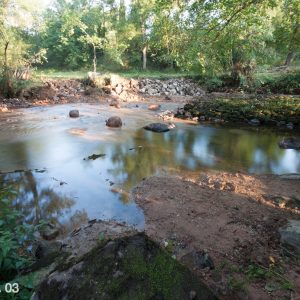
[(287, 84), (16, 237), (214, 83), (204, 37), (256, 272)]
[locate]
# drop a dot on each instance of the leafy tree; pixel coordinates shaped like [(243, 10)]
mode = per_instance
[(287, 29)]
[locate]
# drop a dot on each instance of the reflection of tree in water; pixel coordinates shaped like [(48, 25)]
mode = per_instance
[(237, 150), (34, 202), (158, 150), (227, 149)]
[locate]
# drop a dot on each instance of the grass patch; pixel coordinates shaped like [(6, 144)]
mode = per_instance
[(133, 73)]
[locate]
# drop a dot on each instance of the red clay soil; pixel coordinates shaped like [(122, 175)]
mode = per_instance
[(234, 218)]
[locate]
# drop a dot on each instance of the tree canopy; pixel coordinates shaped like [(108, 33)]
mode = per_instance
[(204, 36)]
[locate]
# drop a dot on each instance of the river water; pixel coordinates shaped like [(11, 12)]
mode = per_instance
[(55, 183)]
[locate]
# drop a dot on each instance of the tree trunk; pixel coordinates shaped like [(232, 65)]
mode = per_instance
[(7, 85), (290, 57), (145, 57), (95, 59)]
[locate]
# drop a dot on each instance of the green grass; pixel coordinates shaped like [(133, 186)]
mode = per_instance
[(59, 74), (134, 73)]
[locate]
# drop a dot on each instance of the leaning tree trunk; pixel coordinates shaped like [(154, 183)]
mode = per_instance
[(95, 58), (7, 85), (290, 57)]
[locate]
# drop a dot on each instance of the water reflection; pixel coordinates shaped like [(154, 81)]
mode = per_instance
[(49, 139), (35, 201)]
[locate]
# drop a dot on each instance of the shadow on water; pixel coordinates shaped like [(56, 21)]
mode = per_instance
[(73, 190)]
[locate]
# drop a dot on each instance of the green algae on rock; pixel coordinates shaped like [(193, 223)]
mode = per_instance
[(132, 267)]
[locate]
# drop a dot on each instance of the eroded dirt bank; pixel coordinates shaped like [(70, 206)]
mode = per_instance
[(225, 227)]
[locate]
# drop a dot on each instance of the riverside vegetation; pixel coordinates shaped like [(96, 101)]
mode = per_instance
[(234, 61)]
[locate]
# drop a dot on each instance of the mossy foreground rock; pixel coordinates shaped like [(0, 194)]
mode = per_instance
[(132, 267)]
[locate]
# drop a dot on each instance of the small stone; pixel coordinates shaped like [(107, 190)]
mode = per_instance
[(114, 122), (115, 103), (50, 233), (154, 107), (119, 89), (254, 122), (290, 143), (74, 113), (281, 123), (198, 259), (290, 235), (290, 125), (193, 295), (202, 118), (34, 296), (118, 274), (157, 127)]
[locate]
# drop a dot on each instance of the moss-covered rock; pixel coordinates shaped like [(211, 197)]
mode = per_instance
[(268, 111), (132, 267)]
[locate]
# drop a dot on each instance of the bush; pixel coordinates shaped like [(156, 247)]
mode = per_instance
[(286, 84), (214, 83), (15, 238)]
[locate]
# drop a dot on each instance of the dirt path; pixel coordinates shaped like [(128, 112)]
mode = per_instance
[(234, 218)]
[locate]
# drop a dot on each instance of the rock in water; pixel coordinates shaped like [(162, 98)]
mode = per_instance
[(114, 122), (290, 143), (74, 113), (157, 127), (254, 122), (154, 107)]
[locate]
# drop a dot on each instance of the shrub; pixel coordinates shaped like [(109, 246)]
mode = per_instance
[(15, 238)]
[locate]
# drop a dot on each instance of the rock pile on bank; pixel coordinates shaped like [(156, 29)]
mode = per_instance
[(123, 87), (170, 87)]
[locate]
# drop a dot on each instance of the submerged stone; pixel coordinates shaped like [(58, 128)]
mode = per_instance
[(290, 143)]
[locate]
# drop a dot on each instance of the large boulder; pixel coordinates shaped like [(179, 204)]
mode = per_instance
[(157, 127), (114, 122), (132, 267), (290, 143), (74, 113)]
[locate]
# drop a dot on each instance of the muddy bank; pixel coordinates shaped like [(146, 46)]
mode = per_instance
[(234, 219), (102, 88)]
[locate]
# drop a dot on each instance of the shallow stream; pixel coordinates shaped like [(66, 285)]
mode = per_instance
[(54, 182)]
